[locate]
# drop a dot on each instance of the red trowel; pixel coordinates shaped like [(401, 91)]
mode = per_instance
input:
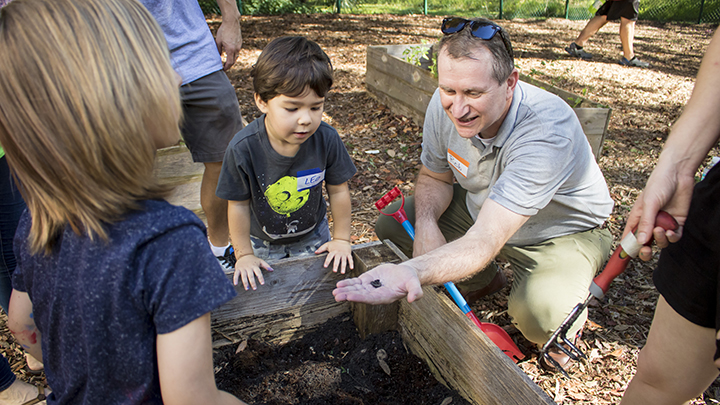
[(615, 266), (494, 332)]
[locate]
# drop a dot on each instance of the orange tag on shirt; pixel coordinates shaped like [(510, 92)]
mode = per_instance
[(460, 164)]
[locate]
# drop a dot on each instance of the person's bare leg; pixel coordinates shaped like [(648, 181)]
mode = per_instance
[(627, 35), (676, 364), (215, 208), (592, 27)]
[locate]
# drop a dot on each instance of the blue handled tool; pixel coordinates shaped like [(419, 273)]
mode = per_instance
[(494, 332)]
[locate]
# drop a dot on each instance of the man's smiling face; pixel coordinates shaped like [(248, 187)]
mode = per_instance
[(470, 96)]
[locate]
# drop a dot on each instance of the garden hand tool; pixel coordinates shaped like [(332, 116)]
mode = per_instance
[(497, 334), (629, 248)]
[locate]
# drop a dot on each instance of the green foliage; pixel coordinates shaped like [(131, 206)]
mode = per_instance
[(679, 10), (422, 56), (658, 10), (275, 7), (265, 7)]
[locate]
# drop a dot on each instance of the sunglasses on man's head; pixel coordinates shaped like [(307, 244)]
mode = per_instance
[(479, 29), (482, 30)]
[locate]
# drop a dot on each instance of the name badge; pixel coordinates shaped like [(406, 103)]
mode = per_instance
[(460, 164), (309, 178)]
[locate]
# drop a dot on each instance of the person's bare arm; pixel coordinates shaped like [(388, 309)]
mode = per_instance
[(185, 366), (433, 194), (248, 266), (671, 183), (339, 248), (469, 254), (451, 262), (229, 36), (22, 325)]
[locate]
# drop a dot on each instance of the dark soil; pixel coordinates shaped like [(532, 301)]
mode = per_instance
[(330, 366)]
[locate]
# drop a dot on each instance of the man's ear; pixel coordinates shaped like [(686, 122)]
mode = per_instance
[(261, 105), (512, 81)]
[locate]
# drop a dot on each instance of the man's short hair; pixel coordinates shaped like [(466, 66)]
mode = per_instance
[(289, 65), (463, 43)]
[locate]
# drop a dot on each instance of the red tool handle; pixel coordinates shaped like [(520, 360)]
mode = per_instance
[(620, 259)]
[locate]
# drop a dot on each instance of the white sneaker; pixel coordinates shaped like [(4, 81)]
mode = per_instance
[(22, 393)]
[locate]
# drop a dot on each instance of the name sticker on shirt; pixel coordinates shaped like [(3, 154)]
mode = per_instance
[(460, 164), (309, 178)]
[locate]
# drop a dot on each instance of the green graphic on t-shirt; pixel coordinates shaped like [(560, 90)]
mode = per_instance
[(283, 196)]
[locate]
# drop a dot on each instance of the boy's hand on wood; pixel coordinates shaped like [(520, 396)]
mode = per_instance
[(340, 253), (247, 268)]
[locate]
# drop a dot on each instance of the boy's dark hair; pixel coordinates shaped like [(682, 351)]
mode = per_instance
[(288, 65)]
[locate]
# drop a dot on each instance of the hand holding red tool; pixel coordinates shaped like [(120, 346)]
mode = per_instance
[(629, 248), (494, 332)]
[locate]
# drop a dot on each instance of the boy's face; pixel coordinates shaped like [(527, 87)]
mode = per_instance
[(290, 121)]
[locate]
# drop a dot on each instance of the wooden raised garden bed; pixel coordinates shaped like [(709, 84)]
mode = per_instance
[(407, 89), (297, 298)]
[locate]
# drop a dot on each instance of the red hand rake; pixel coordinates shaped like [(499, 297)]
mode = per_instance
[(615, 266), (494, 332)]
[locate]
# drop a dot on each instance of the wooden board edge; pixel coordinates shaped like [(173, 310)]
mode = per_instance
[(462, 356)]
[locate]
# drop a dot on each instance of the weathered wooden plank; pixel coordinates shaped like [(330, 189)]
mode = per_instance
[(380, 60), (188, 195), (401, 92), (594, 122), (398, 107), (463, 357), (176, 163), (296, 298), (371, 319)]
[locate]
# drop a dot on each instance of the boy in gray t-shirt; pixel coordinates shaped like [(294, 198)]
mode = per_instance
[(274, 168)]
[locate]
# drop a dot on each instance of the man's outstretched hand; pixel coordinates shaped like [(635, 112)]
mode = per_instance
[(382, 285)]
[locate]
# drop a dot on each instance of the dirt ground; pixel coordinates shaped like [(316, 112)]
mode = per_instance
[(645, 103)]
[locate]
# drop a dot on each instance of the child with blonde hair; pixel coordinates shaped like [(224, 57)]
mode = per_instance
[(114, 286)]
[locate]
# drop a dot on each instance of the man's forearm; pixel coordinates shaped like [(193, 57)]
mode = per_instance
[(433, 194), (471, 253)]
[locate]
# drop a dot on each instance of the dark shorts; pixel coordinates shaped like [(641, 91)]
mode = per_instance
[(687, 272), (211, 116), (614, 9)]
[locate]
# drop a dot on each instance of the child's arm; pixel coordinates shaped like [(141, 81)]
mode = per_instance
[(339, 248), (248, 266), (185, 366), (22, 325)]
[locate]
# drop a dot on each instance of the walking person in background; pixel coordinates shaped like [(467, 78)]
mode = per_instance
[(611, 10), (114, 286), (210, 104), (682, 354)]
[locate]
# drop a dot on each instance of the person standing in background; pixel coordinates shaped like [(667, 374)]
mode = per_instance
[(210, 105)]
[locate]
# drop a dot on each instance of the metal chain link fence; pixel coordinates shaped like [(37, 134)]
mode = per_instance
[(690, 11)]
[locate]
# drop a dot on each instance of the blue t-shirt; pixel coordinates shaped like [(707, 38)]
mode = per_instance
[(285, 193), (193, 50), (100, 305)]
